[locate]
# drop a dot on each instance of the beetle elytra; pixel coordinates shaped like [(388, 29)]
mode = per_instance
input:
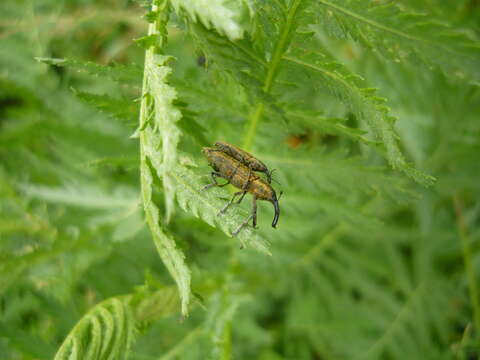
[(245, 158)]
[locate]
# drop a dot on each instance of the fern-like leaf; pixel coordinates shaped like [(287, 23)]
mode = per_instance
[(108, 330), (105, 332), (83, 196), (121, 108), (151, 305), (305, 119), (349, 88), (160, 117), (401, 35), (223, 307), (117, 72), (239, 59), (158, 148), (285, 30), (213, 14)]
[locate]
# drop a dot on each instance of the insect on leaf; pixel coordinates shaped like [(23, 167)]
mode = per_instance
[(207, 204)]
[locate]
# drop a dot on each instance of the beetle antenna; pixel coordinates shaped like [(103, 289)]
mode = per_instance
[(270, 178)]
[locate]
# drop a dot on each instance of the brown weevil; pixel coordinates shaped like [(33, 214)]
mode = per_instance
[(245, 158), (240, 174)]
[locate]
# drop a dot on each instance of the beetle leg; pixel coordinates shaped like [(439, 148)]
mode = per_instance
[(217, 174), (244, 187), (241, 197), (214, 175), (242, 225), (231, 201), (243, 192), (253, 216), (254, 212)]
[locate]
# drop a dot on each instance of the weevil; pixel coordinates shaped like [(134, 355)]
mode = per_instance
[(245, 158), (241, 176)]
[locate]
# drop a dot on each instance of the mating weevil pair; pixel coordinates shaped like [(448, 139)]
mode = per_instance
[(237, 166)]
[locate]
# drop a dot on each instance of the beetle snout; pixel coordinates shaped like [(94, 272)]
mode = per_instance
[(277, 210)]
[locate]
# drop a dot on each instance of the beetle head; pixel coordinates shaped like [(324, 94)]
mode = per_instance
[(207, 151)]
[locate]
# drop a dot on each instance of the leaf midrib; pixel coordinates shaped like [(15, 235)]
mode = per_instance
[(272, 71), (382, 27)]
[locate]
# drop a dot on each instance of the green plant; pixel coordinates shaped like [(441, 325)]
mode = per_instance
[(377, 251)]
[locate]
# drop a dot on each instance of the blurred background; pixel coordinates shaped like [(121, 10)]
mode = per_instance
[(391, 273)]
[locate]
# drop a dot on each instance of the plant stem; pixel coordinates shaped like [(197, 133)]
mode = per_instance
[(273, 65)]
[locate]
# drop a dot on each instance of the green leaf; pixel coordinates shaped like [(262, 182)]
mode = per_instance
[(290, 16), (240, 60), (150, 305), (84, 196), (213, 14), (402, 35), (362, 101), (108, 330), (147, 41), (162, 135), (172, 257), (120, 108), (223, 307), (331, 126), (151, 16), (105, 332), (188, 124), (159, 136), (118, 72)]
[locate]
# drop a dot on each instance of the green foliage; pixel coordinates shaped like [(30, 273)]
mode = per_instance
[(362, 101), (367, 110), (213, 14), (105, 332), (108, 330), (159, 136), (402, 35)]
